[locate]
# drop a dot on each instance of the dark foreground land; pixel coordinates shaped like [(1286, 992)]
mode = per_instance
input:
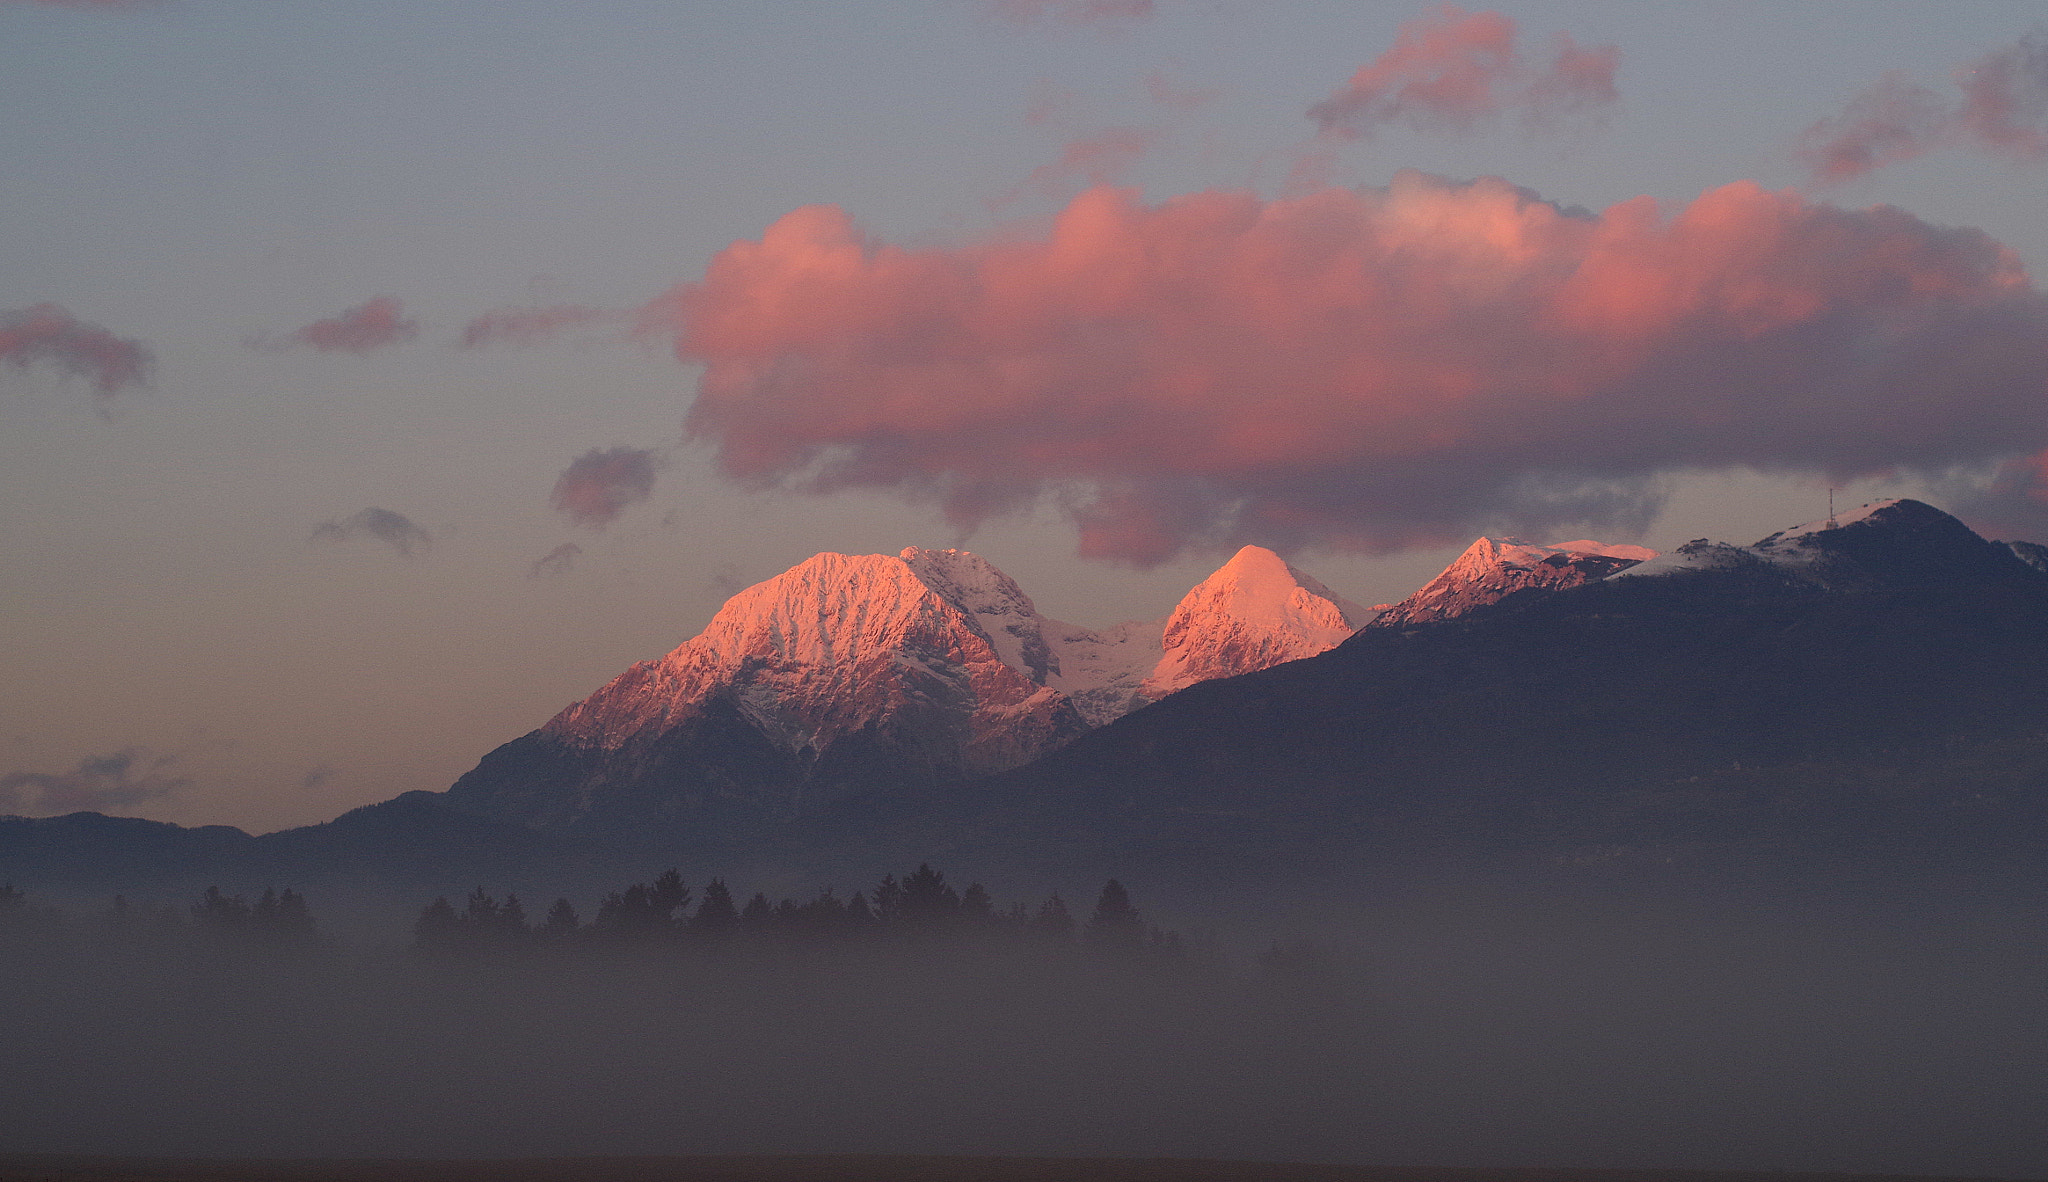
[(830, 1168)]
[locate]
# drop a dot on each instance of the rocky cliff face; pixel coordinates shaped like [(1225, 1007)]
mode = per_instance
[(1491, 569)]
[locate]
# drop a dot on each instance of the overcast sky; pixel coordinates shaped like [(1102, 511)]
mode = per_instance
[(378, 376)]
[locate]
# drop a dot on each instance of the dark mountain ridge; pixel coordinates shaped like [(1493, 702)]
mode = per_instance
[(1827, 686)]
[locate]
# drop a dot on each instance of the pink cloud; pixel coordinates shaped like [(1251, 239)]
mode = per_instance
[(529, 326), (1452, 70), (2003, 110), (601, 483), (46, 334), (1369, 370), (375, 324)]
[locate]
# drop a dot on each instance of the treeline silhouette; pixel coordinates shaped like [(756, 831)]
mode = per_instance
[(275, 919), (920, 908)]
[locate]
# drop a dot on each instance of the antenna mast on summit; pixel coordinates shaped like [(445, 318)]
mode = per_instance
[(1831, 508)]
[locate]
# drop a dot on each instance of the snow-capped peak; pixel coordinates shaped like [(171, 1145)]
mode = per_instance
[(1790, 544), (1491, 569), (1254, 612), (945, 651)]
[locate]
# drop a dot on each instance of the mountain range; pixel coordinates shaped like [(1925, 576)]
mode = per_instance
[(1873, 682), (848, 674)]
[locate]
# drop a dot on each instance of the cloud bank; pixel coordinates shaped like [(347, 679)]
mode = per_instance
[(1453, 70), (395, 530), (1360, 369), (46, 334), (2002, 109), (378, 323), (126, 777), (598, 485)]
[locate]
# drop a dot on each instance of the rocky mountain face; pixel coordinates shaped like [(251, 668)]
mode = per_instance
[(851, 671), (1491, 569)]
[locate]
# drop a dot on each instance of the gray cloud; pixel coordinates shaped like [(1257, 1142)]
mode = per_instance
[(556, 562), (598, 485), (531, 326), (125, 777), (396, 530), (46, 334)]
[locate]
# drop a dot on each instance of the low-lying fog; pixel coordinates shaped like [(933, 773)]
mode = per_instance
[(1443, 1024)]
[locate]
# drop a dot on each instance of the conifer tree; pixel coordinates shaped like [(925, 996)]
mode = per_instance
[(927, 903), (561, 921), (716, 915), (1115, 926), (976, 908), (221, 914), (1053, 922), (888, 900), (437, 926)]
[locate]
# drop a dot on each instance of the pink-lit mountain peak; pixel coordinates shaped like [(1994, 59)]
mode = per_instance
[(1255, 612), (842, 643), (941, 645)]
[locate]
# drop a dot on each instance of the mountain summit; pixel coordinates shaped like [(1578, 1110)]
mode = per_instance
[(1253, 613), (1491, 569), (846, 673)]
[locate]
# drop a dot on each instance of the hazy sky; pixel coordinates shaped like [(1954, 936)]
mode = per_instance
[(346, 348)]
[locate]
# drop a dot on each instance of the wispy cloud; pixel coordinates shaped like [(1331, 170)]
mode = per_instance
[(46, 334), (531, 325), (601, 483), (2001, 107), (125, 777), (377, 323), (1090, 13), (556, 562), (395, 530), (1361, 369), (1453, 70)]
